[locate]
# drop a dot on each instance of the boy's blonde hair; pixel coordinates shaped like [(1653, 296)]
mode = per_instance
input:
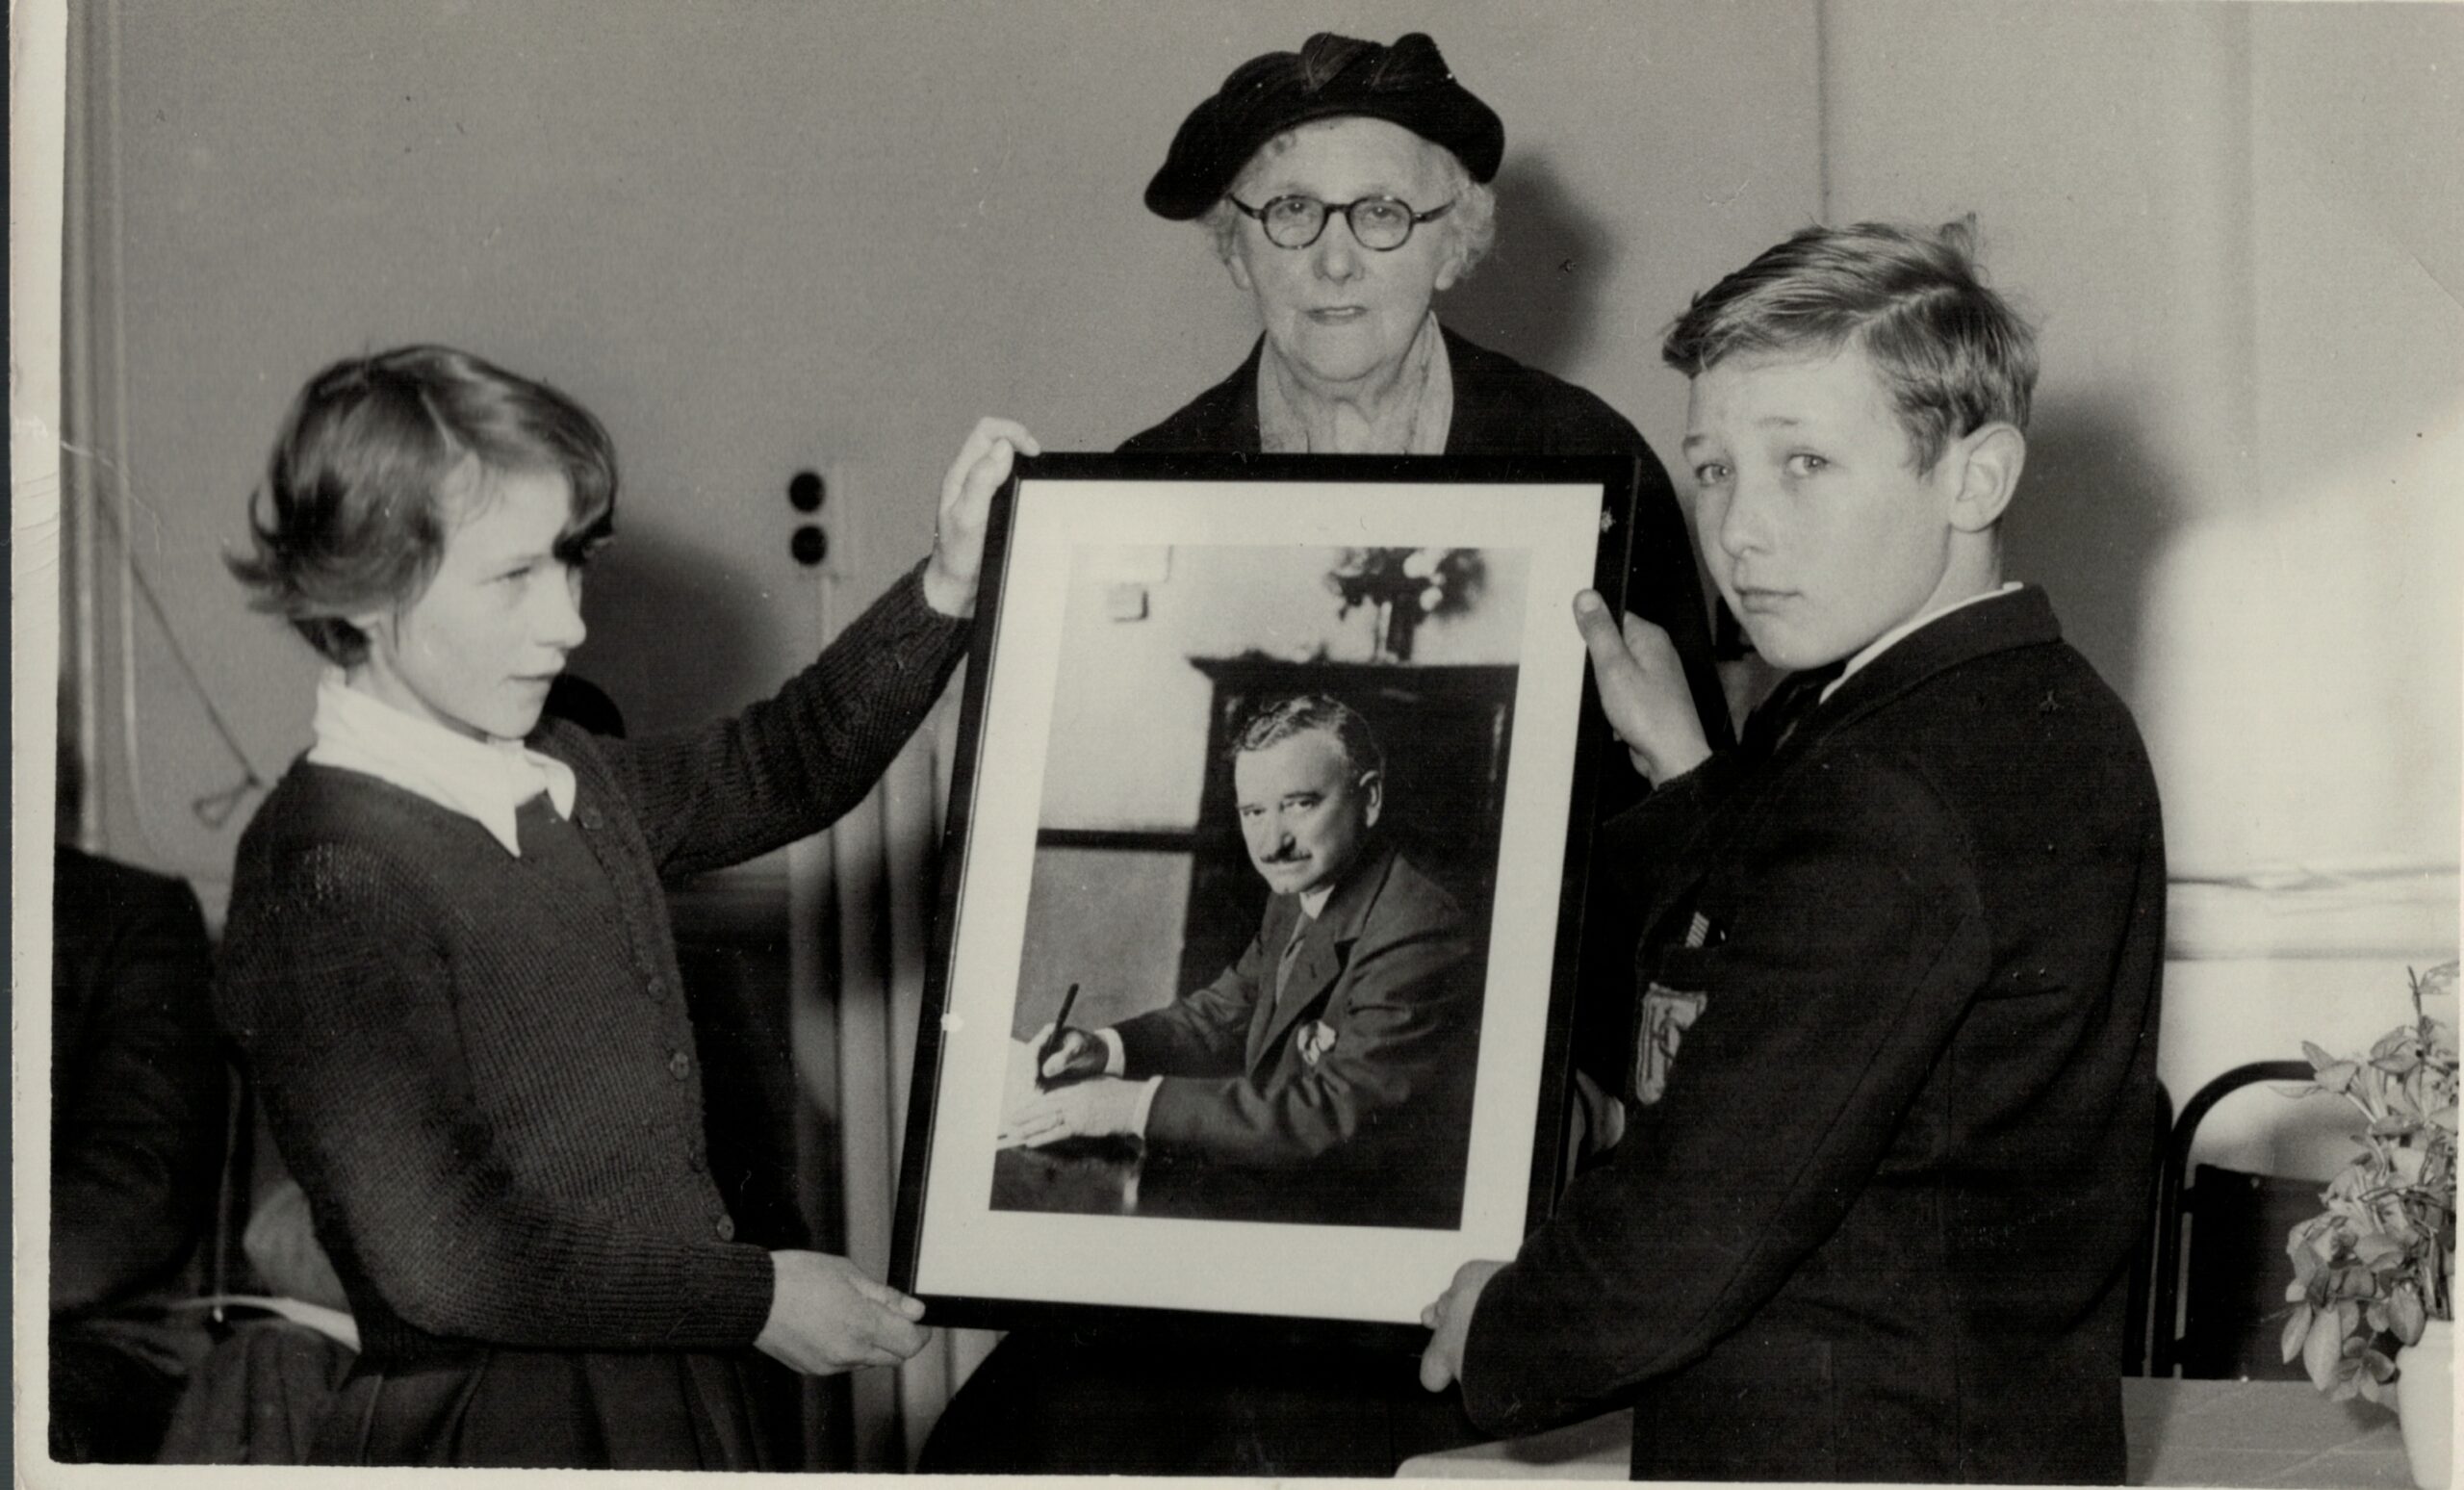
[(1953, 353)]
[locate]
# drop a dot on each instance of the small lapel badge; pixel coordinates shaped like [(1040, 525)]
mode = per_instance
[(1667, 1014), (1315, 1037)]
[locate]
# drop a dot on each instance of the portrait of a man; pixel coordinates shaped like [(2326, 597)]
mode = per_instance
[(1255, 962), (1326, 1076)]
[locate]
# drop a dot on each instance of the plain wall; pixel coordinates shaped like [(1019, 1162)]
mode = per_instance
[(762, 238), (1129, 720), (758, 238), (2240, 232), (1116, 912)]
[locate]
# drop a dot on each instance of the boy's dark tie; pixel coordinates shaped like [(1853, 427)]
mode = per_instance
[(1776, 716)]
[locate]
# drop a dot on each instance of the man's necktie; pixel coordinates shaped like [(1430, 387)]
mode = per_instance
[(1778, 715), (1290, 955)]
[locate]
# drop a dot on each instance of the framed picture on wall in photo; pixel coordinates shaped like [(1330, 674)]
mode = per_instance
[(1252, 989)]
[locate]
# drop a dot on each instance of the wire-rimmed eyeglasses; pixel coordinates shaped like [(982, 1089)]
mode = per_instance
[(1379, 222)]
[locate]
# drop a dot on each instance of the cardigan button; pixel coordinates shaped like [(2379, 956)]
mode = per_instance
[(589, 817), (726, 1228), (652, 987), (679, 1063)]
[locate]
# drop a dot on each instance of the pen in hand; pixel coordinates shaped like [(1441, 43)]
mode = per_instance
[(1052, 1041)]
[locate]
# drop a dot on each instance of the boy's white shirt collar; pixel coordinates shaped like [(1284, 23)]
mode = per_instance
[(485, 781), (1900, 632)]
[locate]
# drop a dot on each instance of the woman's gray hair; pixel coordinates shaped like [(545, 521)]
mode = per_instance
[(1473, 220)]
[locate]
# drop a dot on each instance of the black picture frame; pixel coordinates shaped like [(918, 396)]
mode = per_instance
[(1073, 531)]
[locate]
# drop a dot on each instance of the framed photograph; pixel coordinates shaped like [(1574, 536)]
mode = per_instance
[(1266, 842)]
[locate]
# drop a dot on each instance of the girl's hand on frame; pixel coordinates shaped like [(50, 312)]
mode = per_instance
[(827, 1316), (982, 464)]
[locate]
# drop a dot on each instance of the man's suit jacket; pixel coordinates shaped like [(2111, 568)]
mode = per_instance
[(1893, 1089), (137, 1088), (1347, 1100)]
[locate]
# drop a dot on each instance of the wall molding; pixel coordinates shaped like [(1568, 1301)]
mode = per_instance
[(1134, 841), (2395, 912)]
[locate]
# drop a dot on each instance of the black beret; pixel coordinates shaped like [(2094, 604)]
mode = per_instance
[(1406, 84)]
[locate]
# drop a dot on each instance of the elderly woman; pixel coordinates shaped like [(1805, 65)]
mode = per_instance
[(1343, 187)]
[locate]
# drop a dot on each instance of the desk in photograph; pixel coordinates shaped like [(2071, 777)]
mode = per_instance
[(1105, 1177), (2180, 1433)]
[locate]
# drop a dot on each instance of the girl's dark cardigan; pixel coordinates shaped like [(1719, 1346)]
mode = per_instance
[(490, 1093)]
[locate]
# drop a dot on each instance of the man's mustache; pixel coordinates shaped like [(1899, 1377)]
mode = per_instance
[(1283, 857)]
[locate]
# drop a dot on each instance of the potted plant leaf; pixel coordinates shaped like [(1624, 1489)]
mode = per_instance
[(2374, 1275)]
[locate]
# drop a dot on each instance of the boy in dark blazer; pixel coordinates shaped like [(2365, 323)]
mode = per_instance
[(1890, 1101)]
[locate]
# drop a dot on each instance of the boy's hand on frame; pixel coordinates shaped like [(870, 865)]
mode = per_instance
[(982, 464), (1450, 1322), (1642, 690)]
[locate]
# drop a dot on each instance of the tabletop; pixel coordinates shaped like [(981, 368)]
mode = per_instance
[(2180, 1433)]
